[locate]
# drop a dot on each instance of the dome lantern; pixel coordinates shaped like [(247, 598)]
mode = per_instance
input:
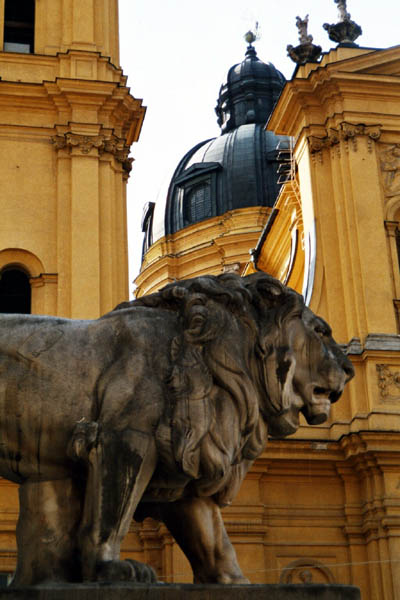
[(250, 93)]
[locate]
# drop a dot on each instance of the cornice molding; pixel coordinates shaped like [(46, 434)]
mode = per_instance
[(114, 105), (384, 342), (375, 445), (327, 88), (43, 279)]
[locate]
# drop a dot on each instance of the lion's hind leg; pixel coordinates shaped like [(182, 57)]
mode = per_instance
[(47, 532), (119, 467)]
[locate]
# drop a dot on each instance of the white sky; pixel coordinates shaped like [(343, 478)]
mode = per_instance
[(177, 53)]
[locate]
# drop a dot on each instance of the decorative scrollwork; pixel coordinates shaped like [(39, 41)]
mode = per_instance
[(316, 144), (388, 383), (306, 570), (346, 132), (103, 143)]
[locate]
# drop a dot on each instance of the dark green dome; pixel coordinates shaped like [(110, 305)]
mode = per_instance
[(235, 170)]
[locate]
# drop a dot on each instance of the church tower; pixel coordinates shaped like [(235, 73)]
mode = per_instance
[(67, 123)]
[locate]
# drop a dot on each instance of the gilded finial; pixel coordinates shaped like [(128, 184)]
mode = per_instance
[(252, 35)]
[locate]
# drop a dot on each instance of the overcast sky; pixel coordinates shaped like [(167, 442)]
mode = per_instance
[(177, 53)]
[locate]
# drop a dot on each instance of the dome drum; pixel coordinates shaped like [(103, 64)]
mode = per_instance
[(250, 93)]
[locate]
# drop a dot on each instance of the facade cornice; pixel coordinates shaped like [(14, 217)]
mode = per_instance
[(75, 64), (378, 442), (385, 447), (365, 59), (327, 92), (104, 102), (381, 342)]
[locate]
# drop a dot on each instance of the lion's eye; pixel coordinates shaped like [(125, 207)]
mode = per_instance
[(321, 330)]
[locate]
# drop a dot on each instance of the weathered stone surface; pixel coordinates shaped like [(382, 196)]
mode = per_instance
[(184, 592), (157, 409)]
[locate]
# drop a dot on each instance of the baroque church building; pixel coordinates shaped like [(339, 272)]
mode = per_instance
[(313, 199), (323, 504)]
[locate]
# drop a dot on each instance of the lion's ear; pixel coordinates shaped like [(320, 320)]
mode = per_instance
[(271, 292), (272, 289)]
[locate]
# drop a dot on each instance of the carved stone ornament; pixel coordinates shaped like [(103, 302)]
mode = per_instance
[(331, 138), (306, 570), (345, 31), (306, 51), (110, 144), (350, 130), (390, 167), (388, 383), (157, 409), (346, 132)]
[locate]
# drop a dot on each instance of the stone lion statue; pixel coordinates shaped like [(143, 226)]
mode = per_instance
[(156, 409)]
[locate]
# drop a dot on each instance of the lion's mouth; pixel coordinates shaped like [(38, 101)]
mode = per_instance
[(317, 410)]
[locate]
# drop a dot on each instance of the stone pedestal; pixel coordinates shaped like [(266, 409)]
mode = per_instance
[(183, 592)]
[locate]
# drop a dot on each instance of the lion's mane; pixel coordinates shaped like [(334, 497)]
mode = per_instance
[(215, 366)]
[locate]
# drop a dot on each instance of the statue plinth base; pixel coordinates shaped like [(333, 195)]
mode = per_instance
[(131, 591)]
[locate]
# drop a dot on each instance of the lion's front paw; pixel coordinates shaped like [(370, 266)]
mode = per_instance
[(144, 573), (125, 570)]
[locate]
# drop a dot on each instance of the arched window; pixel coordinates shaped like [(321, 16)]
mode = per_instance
[(197, 203), (15, 291), (19, 26)]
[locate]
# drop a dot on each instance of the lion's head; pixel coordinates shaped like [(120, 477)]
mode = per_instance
[(248, 357), (303, 368)]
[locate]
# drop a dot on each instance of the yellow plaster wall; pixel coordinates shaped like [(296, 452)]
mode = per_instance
[(67, 123), (79, 25)]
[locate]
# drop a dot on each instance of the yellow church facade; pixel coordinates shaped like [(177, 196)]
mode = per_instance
[(324, 504)]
